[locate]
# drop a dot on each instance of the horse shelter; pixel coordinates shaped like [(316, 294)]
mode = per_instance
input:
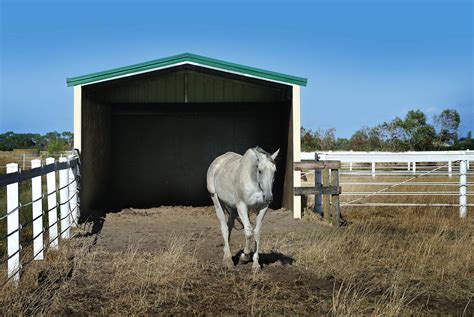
[(148, 132)]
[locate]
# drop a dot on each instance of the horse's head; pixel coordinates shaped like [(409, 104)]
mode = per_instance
[(265, 169)]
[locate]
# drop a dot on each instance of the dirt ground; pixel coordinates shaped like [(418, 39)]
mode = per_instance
[(151, 229)]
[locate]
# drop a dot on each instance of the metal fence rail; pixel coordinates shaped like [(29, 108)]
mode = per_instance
[(58, 225), (394, 175)]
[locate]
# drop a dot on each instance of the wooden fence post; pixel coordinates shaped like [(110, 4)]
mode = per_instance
[(335, 207), (52, 206), (13, 227), (36, 197), (463, 188), (318, 198), (326, 198), (373, 169), (63, 200), (73, 193), (318, 182), (414, 167), (450, 169)]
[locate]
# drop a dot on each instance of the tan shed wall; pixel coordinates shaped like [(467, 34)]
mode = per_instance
[(296, 117), (77, 117)]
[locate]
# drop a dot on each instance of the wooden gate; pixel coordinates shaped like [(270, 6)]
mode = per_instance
[(326, 188)]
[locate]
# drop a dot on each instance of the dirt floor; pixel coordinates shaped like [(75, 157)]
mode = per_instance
[(151, 229)]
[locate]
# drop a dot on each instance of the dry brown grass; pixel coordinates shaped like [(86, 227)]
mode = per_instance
[(392, 261), (76, 280), (11, 157), (399, 259)]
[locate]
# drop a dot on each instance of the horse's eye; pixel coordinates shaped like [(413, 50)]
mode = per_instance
[(259, 171)]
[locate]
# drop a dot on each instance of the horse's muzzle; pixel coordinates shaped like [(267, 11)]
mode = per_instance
[(268, 199)]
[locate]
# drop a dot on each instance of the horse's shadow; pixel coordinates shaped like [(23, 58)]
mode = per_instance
[(266, 258)]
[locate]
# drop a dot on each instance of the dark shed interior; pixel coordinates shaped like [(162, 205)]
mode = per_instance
[(148, 139)]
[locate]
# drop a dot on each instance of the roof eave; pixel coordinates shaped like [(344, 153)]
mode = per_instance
[(183, 59)]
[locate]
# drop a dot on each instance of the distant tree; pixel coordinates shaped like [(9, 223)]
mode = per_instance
[(51, 136), (57, 145), (448, 124), (53, 141), (466, 143), (328, 139), (412, 132), (414, 120), (360, 140), (375, 138), (319, 140), (423, 138), (69, 137), (11, 140), (58, 142), (343, 144), (309, 142), (393, 136)]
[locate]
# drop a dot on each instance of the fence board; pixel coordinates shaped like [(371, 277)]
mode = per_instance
[(52, 205), (335, 207), (37, 213), (326, 198), (13, 227), (63, 200), (311, 165)]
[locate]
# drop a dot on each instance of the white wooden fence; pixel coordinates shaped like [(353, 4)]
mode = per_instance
[(406, 169), (57, 226)]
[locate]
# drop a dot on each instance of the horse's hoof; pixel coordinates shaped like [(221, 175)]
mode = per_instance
[(245, 258), (228, 263), (256, 268)]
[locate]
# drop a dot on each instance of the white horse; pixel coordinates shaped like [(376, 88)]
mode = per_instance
[(240, 184)]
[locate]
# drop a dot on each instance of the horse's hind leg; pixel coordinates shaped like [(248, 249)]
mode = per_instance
[(227, 260), (231, 219)]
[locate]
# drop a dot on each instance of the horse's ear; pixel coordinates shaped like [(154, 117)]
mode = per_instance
[(274, 155)]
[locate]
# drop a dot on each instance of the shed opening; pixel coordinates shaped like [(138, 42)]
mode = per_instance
[(148, 139)]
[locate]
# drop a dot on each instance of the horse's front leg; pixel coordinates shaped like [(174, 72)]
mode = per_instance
[(227, 260), (248, 231), (256, 235)]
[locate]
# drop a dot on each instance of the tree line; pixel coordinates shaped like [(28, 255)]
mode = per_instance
[(52, 142), (411, 133)]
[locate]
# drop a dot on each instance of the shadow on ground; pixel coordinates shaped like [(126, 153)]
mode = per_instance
[(266, 258)]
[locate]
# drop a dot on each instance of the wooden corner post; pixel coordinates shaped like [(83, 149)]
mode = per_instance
[(326, 198), (335, 206)]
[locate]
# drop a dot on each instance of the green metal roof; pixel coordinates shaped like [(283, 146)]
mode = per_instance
[(183, 58)]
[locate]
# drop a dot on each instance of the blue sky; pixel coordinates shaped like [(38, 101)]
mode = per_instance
[(366, 61)]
